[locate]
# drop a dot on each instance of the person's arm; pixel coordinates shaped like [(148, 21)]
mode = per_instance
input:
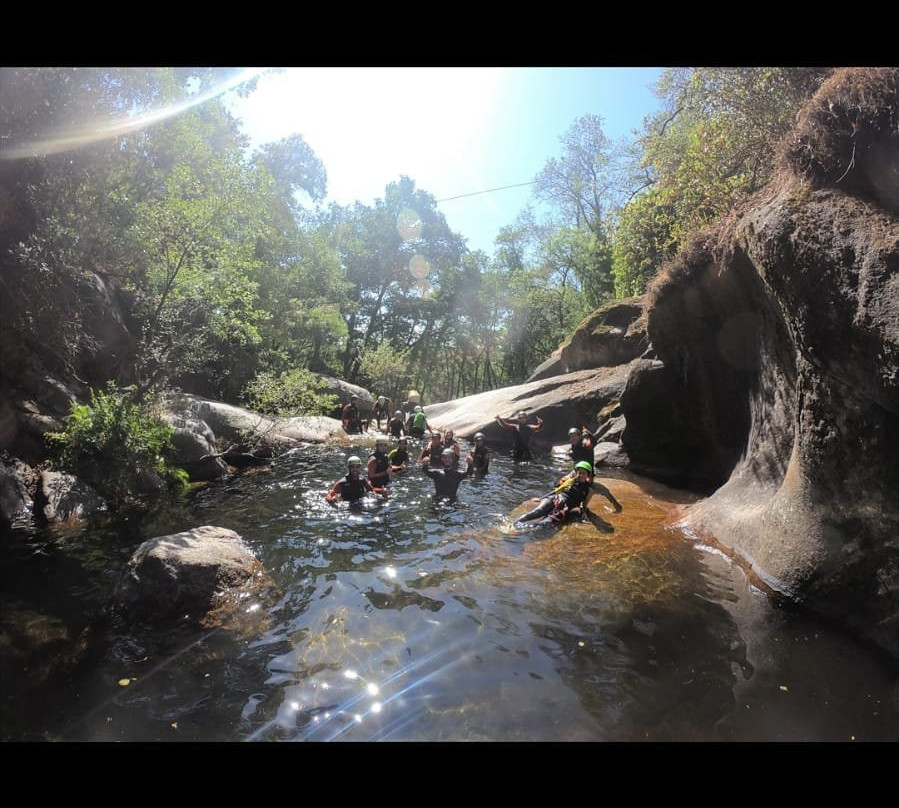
[(332, 495), (375, 488), (539, 425), (504, 423)]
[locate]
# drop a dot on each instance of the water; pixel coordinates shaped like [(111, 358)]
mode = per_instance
[(406, 621)]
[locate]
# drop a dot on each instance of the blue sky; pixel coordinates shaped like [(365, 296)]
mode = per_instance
[(459, 132)]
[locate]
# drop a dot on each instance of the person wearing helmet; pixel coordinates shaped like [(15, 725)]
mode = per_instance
[(353, 486), (381, 409), (447, 477), (450, 442), (417, 424), (521, 440), (581, 447), (573, 495), (396, 426), (378, 465), (430, 453), (479, 457), (350, 417), (399, 457)]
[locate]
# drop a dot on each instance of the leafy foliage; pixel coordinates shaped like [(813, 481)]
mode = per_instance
[(288, 394), (112, 427)]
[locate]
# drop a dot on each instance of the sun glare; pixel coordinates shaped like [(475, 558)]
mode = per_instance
[(93, 131)]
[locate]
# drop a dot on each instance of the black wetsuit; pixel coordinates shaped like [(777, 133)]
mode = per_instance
[(521, 445), (396, 427), (582, 450), (380, 476), (558, 505), (446, 481), (353, 488), (350, 416), (480, 457)]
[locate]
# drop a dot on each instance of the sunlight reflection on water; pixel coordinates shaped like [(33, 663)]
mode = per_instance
[(402, 620)]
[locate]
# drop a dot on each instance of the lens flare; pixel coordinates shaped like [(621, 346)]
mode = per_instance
[(419, 268), (408, 224)]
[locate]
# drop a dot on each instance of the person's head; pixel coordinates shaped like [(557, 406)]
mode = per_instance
[(418, 409), (583, 470), (447, 456), (436, 438), (354, 399), (479, 438), (354, 465), (398, 414), (381, 444), (448, 435), (574, 434), (522, 416), (401, 443)]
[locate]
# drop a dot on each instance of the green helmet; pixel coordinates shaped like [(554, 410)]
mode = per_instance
[(583, 465)]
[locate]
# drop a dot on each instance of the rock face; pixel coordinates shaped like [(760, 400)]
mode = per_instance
[(172, 576), (612, 335), (777, 382), (573, 399)]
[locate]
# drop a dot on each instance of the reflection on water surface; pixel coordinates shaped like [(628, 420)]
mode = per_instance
[(402, 620)]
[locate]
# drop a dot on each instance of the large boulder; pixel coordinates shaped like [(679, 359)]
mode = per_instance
[(17, 480), (573, 399), (343, 390), (777, 385), (184, 575), (613, 334), (219, 425), (62, 497)]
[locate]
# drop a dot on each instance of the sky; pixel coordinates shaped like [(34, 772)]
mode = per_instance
[(466, 135)]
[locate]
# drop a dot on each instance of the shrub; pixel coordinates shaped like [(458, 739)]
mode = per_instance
[(117, 446), (290, 393)]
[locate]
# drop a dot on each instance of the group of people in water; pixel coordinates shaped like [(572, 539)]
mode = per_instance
[(440, 459)]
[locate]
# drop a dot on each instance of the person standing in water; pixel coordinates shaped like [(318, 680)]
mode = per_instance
[(447, 477), (396, 426), (431, 451), (581, 447), (399, 457), (353, 486), (378, 464), (352, 422), (521, 440), (479, 457), (417, 423)]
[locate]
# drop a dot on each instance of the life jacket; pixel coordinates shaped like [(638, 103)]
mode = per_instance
[(381, 466), (398, 456), (353, 488)]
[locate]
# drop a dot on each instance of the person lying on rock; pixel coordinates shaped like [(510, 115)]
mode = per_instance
[(353, 486), (569, 499)]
